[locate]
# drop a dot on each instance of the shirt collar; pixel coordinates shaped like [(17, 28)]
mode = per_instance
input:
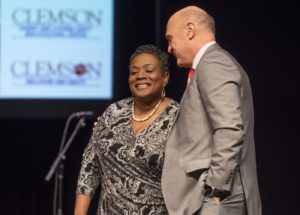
[(200, 53)]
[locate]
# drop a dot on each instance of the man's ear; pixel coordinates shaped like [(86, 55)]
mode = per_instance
[(191, 30)]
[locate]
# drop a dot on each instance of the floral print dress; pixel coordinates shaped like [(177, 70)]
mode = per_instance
[(126, 165)]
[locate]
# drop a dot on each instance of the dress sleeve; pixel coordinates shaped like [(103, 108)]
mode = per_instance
[(89, 175)]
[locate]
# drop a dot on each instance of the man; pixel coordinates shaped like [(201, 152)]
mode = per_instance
[(210, 156)]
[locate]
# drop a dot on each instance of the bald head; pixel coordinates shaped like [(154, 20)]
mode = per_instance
[(187, 31), (195, 15)]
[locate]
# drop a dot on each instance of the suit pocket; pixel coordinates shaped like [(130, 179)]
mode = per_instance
[(197, 165)]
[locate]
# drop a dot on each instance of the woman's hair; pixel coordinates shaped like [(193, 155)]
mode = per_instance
[(162, 57)]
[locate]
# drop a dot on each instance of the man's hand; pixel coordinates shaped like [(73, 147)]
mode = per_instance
[(217, 199)]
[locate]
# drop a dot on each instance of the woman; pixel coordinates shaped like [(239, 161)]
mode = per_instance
[(126, 151)]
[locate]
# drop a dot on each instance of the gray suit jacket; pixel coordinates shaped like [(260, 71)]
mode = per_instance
[(212, 136)]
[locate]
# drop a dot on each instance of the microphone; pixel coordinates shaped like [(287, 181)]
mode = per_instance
[(84, 114)]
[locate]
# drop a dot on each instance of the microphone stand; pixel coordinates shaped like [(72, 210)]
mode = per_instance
[(58, 166)]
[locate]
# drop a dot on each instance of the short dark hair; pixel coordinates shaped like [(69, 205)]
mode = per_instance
[(162, 57)]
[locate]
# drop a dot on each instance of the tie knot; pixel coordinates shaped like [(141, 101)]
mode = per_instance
[(190, 74)]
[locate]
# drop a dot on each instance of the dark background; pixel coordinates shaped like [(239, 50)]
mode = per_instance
[(262, 35)]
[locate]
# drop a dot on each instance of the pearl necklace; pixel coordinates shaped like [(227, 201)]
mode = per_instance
[(146, 117)]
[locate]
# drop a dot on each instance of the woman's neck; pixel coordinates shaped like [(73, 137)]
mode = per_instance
[(144, 106)]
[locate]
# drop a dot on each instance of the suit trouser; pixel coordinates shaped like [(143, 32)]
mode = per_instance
[(234, 204)]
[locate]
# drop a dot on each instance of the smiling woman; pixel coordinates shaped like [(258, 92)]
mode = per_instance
[(147, 80), (126, 151)]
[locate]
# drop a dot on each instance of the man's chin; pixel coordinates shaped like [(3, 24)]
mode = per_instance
[(183, 65), (179, 63)]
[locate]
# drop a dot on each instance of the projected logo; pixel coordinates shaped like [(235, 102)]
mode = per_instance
[(56, 23), (60, 73)]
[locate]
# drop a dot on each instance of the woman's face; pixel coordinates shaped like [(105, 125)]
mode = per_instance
[(145, 77)]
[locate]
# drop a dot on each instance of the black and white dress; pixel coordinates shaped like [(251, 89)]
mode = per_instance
[(127, 166)]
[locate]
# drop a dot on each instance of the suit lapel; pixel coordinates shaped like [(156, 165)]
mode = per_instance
[(211, 48)]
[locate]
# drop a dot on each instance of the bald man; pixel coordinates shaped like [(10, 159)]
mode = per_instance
[(210, 164)]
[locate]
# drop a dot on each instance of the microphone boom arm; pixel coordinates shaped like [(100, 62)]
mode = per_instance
[(60, 156)]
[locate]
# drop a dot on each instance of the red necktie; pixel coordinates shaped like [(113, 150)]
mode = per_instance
[(190, 75)]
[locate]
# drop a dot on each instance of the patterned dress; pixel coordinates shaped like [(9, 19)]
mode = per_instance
[(127, 166)]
